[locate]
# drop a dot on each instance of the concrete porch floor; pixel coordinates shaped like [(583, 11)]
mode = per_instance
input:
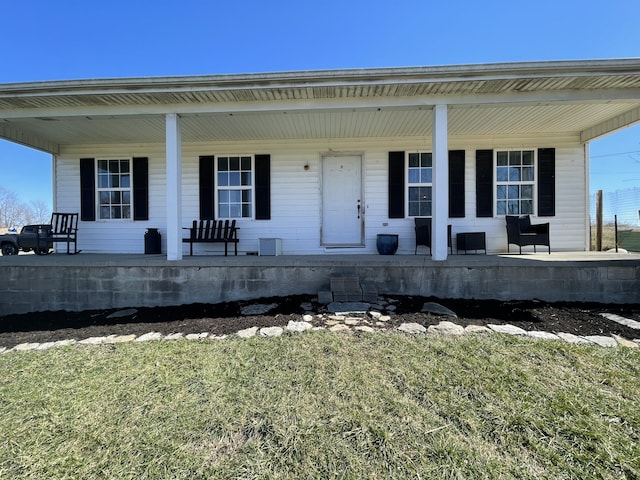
[(94, 281)]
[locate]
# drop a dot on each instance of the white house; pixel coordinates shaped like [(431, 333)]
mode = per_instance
[(326, 160)]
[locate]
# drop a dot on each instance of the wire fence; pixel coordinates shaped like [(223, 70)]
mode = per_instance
[(623, 203), (622, 206)]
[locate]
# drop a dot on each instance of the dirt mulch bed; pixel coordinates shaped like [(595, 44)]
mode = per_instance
[(226, 318)]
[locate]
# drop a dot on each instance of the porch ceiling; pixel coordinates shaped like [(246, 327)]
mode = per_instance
[(584, 99)]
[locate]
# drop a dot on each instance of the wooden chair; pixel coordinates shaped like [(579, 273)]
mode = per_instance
[(64, 229), (521, 232)]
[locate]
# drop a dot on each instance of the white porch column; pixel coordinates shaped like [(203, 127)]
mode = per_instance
[(440, 189), (173, 140)]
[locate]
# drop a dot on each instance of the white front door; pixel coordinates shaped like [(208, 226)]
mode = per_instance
[(342, 206)]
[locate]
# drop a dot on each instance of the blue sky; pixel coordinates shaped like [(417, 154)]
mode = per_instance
[(70, 39)]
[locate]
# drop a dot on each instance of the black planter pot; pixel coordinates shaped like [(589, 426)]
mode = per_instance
[(387, 243)]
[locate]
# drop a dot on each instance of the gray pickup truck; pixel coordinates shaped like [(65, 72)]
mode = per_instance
[(26, 240)]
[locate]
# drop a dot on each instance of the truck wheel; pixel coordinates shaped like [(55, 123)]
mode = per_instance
[(9, 249)]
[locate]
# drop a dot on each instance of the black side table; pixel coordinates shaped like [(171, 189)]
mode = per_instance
[(471, 241)]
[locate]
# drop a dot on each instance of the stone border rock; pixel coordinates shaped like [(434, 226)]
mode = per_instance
[(343, 321)]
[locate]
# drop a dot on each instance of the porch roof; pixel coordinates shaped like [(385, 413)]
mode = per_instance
[(582, 99)]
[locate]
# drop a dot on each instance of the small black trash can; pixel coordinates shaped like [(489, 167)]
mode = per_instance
[(152, 241)]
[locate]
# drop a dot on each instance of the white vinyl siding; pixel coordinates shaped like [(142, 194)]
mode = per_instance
[(296, 195)]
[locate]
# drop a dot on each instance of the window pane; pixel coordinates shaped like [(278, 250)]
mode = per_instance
[(105, 212), (245, 164), (514, 174), (234, 211), (425, 160), (425, 193), (502, 207), (116, 212), (115, 197), (527, 174), (414, 175), (513, 192), (527, 157), (115, 181), (426, 175), (502, 159), (414, 194), (235, 196), (501, 192), (126, 197), (414, 160), (104, 198), (515, 158), (246, 210), (114, 166), (526, 206), (223, 164), (425, 209), (526, 192), (245, 178), (126, 212), (513, 207), (501, 174), (103, 181), (234, 179), (124, 181), (414, 209), (234, 163), (246, 196), (223, 210)]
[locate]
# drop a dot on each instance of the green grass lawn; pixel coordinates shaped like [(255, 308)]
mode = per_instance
[(321, 405)]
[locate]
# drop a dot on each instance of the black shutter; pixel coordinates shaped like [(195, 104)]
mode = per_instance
[(396, 185), (484, 183), (141, 188), (207, 187), (87, 189), (263, 187), (456, 184), (546, 182)]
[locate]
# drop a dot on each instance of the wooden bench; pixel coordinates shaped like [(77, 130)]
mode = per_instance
[(213, 231), (64, 229)]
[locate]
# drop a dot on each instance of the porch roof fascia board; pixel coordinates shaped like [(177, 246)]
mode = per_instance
[(448, 73), (328, 105)]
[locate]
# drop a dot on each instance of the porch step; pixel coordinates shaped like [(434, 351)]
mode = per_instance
[(347, 288), (369, 293), (345, 283)]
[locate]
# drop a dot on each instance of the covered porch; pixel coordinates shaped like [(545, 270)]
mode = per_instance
[(95, 281), (291, 124)]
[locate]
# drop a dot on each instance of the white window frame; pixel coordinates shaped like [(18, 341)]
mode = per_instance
[(515, 177), (422, 182), (225, 206), (123, 191)]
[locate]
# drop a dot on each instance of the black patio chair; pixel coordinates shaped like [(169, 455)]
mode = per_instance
[(423, 233), (521, 232), (422, 227)]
